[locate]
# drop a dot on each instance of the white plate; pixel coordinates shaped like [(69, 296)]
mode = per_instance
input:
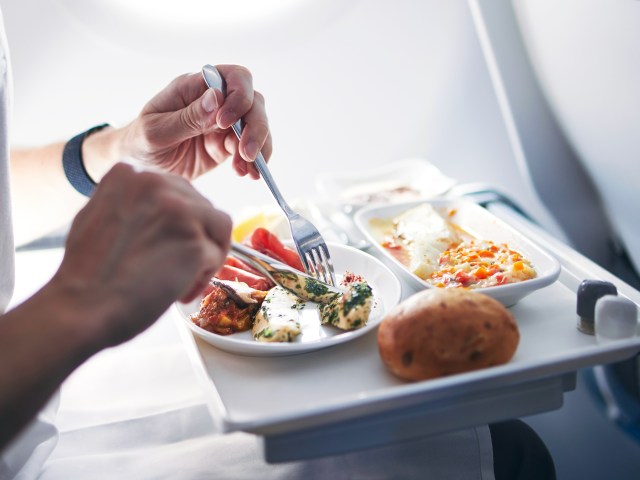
[(483, 225), (386, 294), (425, 179)]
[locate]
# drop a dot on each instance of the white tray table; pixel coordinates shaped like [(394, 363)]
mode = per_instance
[(343, 398)]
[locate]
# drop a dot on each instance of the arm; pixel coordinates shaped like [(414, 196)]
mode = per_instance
[(184, 129), (158, 241), (42, 198)]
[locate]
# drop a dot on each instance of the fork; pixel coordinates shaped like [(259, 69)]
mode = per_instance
[(302, 285), (309, 243)]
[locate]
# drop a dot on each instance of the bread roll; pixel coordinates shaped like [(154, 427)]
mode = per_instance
[(440, 331)]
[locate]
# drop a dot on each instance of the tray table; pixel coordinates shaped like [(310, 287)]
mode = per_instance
[(343, 398)]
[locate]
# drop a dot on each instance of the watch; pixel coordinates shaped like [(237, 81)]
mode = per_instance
[(73, 162)]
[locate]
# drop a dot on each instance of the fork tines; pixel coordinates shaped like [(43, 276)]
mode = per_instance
[(318, 264)]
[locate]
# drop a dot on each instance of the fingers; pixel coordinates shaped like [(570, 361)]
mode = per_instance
[(255, 136), (201, 280), (158, 240), (217, 227), (242, 102), (197, 118), (243, 168), (168, 213), (197, 288), (186, 128), (182, 91), (239, 95), (184, 109)]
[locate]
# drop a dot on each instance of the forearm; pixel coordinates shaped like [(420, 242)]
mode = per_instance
[(43, 198), (42, 341), (158, 240)]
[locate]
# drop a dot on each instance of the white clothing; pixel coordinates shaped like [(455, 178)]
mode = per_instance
[(24, 457), (6, 232)]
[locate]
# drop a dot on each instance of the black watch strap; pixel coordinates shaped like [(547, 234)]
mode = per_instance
[(73, 163)]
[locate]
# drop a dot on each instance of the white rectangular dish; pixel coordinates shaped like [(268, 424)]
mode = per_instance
[(476, 221), (280, 397), (403, 180)]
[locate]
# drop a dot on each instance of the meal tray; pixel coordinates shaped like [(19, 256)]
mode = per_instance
[(346, 392)]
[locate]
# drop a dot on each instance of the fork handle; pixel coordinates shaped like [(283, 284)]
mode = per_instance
[(214, 79), (263, 170)]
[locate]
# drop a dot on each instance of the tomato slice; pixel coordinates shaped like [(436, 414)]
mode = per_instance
[(236, 274), (267, 243), (235, 262)]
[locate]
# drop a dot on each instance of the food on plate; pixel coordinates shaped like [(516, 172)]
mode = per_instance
[(278, 319), (481, 263), (238, 271), (241, 265), (422, 235), (228, 307), (444, 255), (438, 332), (351, 309), (240, 297), (244, 226), (267, 243), (305, 288)]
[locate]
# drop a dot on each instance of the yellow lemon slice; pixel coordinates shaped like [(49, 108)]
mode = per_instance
[(244, 227)]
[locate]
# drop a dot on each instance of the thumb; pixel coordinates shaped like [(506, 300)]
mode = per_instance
[(196, 118)]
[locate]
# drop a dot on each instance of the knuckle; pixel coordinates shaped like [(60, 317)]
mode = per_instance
[(148, 183), (258, 96), (172, 207), (181, 78), (117, 174), (224, 221), (188, 118), (244, 105), (244, 71), (262, 126), (230, 143)]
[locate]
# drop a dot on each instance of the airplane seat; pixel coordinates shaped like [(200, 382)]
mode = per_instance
[(577, 137)]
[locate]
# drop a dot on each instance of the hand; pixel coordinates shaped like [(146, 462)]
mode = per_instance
[(185, 129), (142, 241)]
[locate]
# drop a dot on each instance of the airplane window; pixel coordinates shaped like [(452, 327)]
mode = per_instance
[(208, 12)]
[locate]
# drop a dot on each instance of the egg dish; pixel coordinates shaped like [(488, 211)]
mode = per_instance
[(444, 255)]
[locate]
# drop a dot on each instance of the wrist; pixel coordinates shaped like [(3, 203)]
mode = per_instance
[(102, 150), (59, 331), (81, 315), (130, 150)]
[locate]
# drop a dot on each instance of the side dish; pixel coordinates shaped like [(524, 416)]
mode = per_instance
[(442, 254)]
